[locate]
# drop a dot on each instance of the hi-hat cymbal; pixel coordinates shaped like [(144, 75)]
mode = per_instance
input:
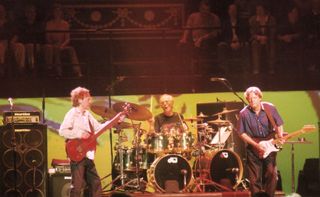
[(219, 122), (225, 111), (100, 108), (191, 119), (202, 115), (137, 112)]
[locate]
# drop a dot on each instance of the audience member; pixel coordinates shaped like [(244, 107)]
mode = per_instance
[(312, 32), (31, 34), (203, 26), (9, 40), (289, 39), (234, 39), (262, 30), (58, 42)]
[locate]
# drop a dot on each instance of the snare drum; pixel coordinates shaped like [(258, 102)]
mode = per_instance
[(170, 167), (223, 166)]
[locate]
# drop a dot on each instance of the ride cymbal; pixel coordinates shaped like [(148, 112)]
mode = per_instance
[(137, 112), (100, 108)]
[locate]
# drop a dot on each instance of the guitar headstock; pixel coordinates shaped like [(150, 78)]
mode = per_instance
[(308, 128), (126, 109)]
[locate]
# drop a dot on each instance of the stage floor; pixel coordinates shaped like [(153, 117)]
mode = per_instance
[(207, 194)]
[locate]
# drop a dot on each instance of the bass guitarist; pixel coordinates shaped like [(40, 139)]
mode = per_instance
[(80, 129), (256, 122)]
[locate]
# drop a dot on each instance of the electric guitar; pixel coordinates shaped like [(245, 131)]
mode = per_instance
[(272, 145), (77, 148)]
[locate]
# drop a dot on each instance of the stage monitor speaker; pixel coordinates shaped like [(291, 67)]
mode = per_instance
[(29, 156), (59, 185)]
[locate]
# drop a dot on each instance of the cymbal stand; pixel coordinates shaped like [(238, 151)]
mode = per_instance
[(202, 181), (120, 150), (136, 183)]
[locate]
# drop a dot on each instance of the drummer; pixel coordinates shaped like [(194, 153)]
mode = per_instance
[(164, 121)]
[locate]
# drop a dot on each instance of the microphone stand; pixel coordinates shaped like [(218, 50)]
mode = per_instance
[(229, 86), (14, 148), (110, 90)]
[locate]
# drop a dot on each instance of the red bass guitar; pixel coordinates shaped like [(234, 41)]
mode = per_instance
[(77, 148)]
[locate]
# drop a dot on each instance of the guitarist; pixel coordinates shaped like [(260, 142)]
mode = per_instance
[(257, 121), (78, 124)]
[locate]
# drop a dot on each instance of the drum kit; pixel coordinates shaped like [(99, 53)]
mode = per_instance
[(162, 160)]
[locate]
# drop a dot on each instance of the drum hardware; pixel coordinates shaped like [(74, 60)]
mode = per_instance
[(120, 149), (170, 168), (135, 183), (221, 169)]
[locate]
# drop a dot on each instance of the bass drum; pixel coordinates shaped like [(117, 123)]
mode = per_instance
[(171, 167), (223, 167)]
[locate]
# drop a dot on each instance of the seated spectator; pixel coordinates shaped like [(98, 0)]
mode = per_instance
[(289, 37), (199, 40), (31, 34), (312, 32), (203, 26), (262, 31), (234, 39), (8, 40), (58, 42)]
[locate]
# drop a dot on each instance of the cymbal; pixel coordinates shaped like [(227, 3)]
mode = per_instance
[(137, 112), (219, 122), (191, 119), (123, 125), (225, 111), (202, 115), (100, 108)]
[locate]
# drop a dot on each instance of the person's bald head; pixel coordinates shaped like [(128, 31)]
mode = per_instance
[(166, 103)]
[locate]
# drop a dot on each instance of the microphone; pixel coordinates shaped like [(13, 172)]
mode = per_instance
[(233, 170), (217, 79), (10, 100)]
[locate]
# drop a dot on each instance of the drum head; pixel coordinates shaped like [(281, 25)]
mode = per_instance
[(172, 168), (226, 168)]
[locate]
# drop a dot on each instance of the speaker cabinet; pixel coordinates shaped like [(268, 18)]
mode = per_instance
[(59, 185), (29, 156)]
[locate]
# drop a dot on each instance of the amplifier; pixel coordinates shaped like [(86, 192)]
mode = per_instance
[(21, 117)]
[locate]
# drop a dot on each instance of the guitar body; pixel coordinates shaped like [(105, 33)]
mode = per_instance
[(268, 147), (269, 144), (77, 148)]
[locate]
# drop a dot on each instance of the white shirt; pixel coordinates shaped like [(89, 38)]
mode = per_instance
[(76, 123)]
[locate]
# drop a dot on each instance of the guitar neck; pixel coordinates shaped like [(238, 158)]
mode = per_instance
[(290, 135), (107, 125)]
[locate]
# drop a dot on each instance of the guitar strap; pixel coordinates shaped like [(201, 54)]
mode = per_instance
[(270, 117)]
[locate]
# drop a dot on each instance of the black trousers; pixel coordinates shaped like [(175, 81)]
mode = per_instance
[(262, 173), (84, 173)]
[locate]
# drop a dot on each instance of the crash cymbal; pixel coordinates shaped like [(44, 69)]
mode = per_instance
[(100, 108), (219, 122), (137, 112), (225, 111), (201, 115)]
